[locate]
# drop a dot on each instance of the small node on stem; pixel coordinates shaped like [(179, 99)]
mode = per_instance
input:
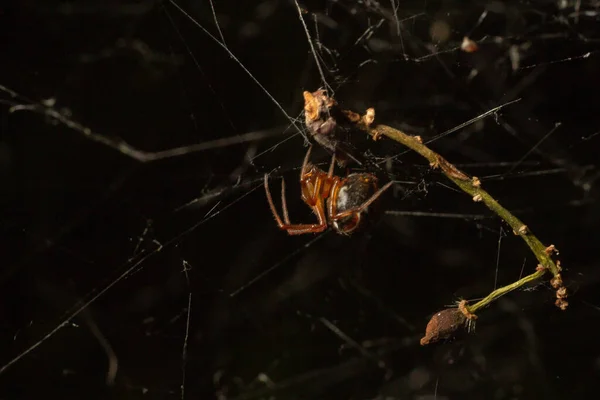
[(477, 198), (476, 182), (369, 117), (375, 134), (540, 267), (523, 230), (551, 250), (418, 139), (562, 304), (442, 325), (556, 282), (464, 309)]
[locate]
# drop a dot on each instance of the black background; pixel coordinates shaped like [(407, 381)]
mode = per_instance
[(79, 216)]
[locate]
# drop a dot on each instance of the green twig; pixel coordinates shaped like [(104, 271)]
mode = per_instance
[(472, 186), (505, 289)]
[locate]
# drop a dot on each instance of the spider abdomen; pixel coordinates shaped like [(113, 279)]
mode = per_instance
[(354, 191)]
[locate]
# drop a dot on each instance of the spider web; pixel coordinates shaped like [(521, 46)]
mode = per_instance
[(140, 255)]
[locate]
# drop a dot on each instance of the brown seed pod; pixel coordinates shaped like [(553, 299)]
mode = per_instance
[(443, 325)]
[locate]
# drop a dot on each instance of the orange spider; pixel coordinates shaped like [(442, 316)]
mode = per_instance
[(346, 199)]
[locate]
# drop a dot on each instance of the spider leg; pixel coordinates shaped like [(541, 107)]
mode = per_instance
[(332, 200), (295, 229), (305, 162), (331, 166), (308, 196), (299, 229), (271, 204), (286, 216), (311, 189), (360, 208), (316, 192)]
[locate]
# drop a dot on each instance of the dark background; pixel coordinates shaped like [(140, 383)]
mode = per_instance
[(84, 223)]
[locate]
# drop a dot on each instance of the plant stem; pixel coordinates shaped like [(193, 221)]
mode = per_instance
[(504, 290), (472, 186)]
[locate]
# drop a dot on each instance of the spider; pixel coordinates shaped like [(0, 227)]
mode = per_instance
[(345, 198)]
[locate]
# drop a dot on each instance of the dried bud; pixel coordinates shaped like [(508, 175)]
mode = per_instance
[(561, 293), (562, 304), (556, 282), (369, 117), (551, 249), (442, 325)]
